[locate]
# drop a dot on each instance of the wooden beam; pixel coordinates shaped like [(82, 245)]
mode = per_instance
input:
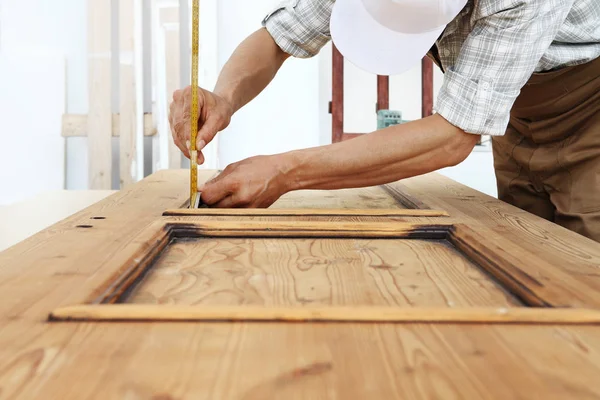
[(304, 212), (426, 87), (162, 312), (383, 92), (99, 85), (76, 125), (128, 123), (337, 99), (169, 19)]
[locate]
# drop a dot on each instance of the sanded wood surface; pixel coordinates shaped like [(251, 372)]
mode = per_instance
[(184, 360), (472, 315), (345, 272), (304, 212), (577, 256), (364, 198)]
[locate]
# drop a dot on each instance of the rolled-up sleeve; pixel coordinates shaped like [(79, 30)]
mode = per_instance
[(497, 59), (300, 27)]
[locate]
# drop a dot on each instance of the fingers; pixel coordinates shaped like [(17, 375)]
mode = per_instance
[(176, 121), (216, 191), (207, 131), (227, 202)]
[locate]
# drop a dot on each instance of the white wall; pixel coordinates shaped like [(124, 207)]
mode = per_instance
[(286, 115), (33, 62)]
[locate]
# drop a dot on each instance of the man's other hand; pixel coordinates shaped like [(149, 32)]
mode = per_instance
[(214, 115), (256, 182)]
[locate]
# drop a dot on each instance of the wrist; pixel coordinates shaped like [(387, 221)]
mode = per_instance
[(226, 103), (295, 167)]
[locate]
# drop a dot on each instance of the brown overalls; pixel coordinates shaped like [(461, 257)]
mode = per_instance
[(548, 162)]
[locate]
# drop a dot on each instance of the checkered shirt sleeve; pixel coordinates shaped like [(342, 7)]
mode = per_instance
[(496, 60), (300, 27)]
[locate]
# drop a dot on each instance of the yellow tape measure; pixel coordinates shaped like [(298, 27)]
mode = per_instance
[(194, 113)]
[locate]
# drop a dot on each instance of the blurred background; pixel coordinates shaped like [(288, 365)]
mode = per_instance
[(77, 74)]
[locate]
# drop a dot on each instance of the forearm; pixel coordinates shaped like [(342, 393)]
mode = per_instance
[(252, 66), (388, 155)]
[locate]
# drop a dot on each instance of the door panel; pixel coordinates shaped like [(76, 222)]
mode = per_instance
[(321, 271), (181, 269)]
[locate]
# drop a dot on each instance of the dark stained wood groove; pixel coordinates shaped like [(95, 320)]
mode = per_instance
[(400, 193), (517, 282), (132, 270)]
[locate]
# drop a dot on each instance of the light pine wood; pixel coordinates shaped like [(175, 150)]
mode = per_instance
[(303, 212), (296, 272), (128, 152), (522, 271), (265, 360), (364, 198), (99, 85), (75, 125), (474, 315), (576, 255)]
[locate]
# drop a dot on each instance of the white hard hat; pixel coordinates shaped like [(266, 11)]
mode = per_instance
[(388, 37)]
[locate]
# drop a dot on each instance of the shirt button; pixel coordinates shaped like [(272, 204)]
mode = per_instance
[(485, 86), (446, 52)]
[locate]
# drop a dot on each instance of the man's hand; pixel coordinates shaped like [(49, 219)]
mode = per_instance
[(214, 115), (256, 182)]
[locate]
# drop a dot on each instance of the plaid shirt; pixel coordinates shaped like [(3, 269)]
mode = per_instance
[(488, 52)]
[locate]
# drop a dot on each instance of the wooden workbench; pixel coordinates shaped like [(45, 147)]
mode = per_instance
[(68, 263)]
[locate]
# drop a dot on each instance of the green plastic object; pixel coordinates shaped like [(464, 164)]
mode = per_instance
[(387, 118)]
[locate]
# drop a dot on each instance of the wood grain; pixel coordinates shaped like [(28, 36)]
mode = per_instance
[(401, 195), (245, 313), (182, 360), (99, 85), (342, 272), (528, 276), (311, 229), (568, 251), (362, 198), (303, 212)]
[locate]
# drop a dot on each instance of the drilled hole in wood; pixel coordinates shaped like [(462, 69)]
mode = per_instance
[(98, 218), (84, 226)]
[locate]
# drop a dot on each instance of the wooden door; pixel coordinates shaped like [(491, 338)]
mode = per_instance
[(420, 289), (300, 265)]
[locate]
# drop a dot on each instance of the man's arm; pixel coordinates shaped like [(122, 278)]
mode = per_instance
[(251, 67), (387, 155)]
